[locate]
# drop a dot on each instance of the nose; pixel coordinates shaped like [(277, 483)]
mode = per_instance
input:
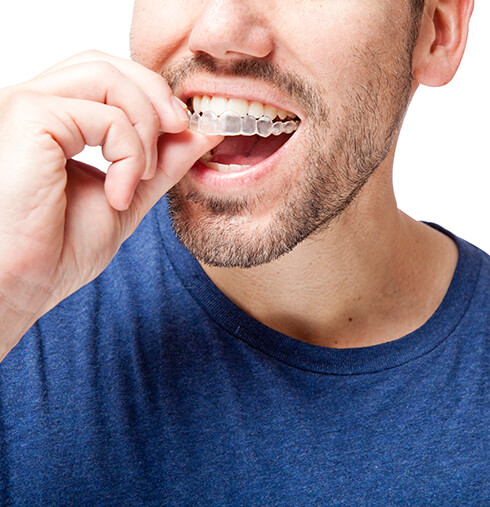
[(231, 29)]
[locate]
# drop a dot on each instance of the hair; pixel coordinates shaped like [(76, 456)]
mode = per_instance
[(417, 8)]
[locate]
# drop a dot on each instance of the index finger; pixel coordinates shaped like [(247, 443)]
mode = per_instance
[(170, 110)]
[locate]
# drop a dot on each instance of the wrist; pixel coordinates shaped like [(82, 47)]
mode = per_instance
[(21, 305)]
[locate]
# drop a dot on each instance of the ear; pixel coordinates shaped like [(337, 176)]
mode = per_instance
[(442, 41)]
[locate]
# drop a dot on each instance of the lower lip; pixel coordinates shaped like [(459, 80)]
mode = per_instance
[(213, 179)]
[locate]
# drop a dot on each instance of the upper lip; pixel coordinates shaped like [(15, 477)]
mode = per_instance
[(232, 87)]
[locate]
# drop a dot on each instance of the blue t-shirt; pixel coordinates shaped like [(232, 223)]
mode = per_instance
[(149, 387)]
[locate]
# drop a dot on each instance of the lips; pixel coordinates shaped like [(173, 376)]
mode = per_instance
[(249, 140), (245, 92), (239, 154), (246, 156), (244, 175)]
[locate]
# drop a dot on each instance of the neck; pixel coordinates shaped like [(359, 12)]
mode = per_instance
[(374, 275)]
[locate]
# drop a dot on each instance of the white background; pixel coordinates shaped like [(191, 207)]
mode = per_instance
[(442, 168)]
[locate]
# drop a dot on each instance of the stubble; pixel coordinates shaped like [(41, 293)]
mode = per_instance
[(340, 155)]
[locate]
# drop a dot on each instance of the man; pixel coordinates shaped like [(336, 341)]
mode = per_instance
[(308, 344)]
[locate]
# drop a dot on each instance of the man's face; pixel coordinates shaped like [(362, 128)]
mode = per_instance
[(342, 67)]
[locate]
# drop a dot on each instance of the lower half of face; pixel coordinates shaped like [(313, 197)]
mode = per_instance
[(254, 216), (296, 184)]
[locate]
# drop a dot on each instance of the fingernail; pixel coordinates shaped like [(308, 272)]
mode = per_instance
[(180, 109)]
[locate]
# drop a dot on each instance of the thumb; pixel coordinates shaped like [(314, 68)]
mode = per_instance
[(177, 153)]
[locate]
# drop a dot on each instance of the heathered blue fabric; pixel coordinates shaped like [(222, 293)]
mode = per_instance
[(149, 387)]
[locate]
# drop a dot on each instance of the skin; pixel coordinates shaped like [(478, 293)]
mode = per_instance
[(356, 282), (51, 244), (347, 129), (357, 279)]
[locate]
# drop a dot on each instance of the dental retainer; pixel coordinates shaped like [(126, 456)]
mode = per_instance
[(231, 123)]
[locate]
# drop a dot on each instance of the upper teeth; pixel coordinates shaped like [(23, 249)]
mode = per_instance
[(243, 107)]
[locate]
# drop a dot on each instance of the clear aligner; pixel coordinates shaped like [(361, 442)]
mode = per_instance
[(232, 124)]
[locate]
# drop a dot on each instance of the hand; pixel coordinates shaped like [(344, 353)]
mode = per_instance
[(62, 221)]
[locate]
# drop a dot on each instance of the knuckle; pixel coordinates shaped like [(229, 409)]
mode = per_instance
[(101, 69), (118, 116), (92, 54)]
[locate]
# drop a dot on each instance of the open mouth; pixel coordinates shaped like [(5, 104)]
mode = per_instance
[(253, 131)]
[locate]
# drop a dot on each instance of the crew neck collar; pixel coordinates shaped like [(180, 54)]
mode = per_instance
[(314, 358)]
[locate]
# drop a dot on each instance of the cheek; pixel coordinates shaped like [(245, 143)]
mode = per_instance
[(159, 29), (330, 43)]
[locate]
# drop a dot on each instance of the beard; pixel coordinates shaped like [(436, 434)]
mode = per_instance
[(337, 158)]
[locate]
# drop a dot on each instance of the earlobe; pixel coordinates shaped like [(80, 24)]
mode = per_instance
[(442, 41)]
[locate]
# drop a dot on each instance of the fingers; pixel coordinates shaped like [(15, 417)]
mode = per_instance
[(142, 94), (97, 99), (83, 122), (89, 123), (102, 83), (176, 155), (94, 75)]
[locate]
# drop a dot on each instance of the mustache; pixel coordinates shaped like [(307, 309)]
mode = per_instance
[(291, 84)]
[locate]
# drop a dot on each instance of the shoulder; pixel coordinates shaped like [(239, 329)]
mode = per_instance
[(473, 264), (477, 261), (473, 277), (465, 309)]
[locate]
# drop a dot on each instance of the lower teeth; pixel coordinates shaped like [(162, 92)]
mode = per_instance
[(222, 168), (232, 124), (226, 168)]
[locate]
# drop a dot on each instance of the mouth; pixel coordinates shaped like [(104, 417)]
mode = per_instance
[(254, 132)]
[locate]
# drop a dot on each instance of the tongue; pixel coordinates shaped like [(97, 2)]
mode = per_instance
[(247, 150)]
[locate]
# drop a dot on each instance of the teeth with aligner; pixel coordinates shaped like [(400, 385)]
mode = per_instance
[(234, 117), (230, 124)]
